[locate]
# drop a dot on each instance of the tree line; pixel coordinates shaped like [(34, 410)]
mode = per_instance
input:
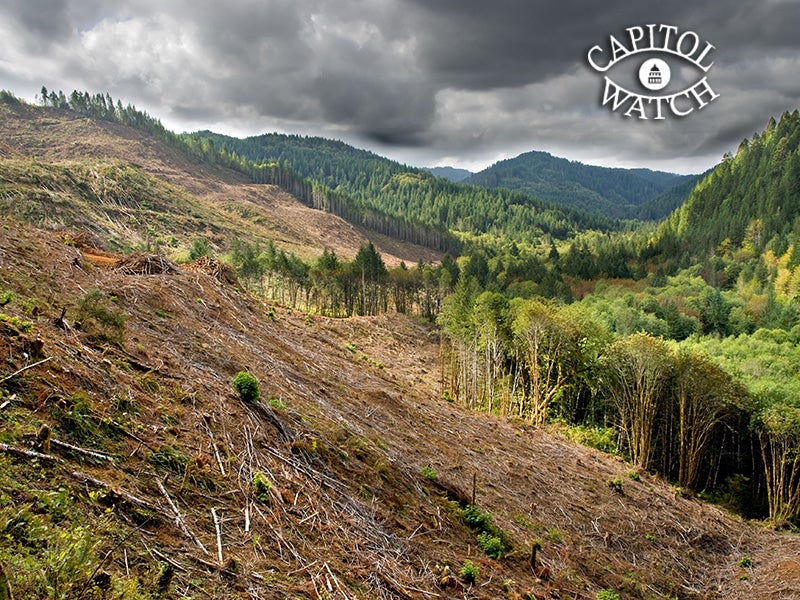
[(400, 191), (332, 286)]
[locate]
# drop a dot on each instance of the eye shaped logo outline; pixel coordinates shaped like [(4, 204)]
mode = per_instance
[(655, 39)]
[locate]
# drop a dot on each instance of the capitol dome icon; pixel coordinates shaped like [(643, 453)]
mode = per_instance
[(654, 74)]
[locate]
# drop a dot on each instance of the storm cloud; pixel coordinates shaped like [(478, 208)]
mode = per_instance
[(463, 82)]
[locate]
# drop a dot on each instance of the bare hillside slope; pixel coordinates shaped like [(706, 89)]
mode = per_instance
[(348, 479), (217, 203)]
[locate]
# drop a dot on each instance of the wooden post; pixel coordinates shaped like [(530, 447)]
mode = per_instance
[(474, 485)]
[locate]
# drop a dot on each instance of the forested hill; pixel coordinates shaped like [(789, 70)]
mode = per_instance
[(618, 193), (379, 184), (749, 202), (450, 173)]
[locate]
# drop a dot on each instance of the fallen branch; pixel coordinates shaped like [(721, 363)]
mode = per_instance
[(30, 454), (167, 559), (79, 476), (92, 453), (219, 536), (207, 422), (23, 369), (114, 491), (179, 518)]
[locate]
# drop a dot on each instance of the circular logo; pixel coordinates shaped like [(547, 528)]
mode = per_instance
[(654, 74)]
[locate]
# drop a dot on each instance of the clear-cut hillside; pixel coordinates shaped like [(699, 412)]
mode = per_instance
[(129, 467)]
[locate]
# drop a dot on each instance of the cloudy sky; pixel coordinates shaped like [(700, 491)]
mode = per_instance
[(426, 82)]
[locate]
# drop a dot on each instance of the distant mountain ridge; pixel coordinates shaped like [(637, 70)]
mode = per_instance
[(413, 196), (451, 173), (611, 192)]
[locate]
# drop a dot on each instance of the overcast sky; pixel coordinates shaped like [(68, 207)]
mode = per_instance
[(427, 82)]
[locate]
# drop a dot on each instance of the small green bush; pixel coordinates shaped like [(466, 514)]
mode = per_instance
[(599, 438), (469, 572), (607, 595), (19, 324), (200, 248), (745, 562), (277, 403), (246, 386), (99, 320), (261, 486), (554, 535), (428, 472), (171, 458), (492, 545), (478, 519)]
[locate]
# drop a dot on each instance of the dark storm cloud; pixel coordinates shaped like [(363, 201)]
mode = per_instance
[(51, 21), (470, 80)]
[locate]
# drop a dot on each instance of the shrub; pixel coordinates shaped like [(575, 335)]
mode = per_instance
[(554, 535), (200, 248), (246, 386), (599, 438), (745, 562), (428, 472), (469, 572), (19, 324), (492, 545), (261, 486), (477, 519), (171, 458), (277, 403), (99, 320)]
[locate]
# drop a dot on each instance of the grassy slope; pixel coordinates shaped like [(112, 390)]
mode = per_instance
[(355, 415), (90, 166)]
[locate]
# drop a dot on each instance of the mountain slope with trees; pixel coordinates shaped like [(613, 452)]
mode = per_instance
[(373, 183), (681, 337), (451, 173), (617, 193), (749, 202)]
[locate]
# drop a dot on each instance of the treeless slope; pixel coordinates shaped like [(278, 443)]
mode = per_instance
[(58, 136), (350, 413)]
